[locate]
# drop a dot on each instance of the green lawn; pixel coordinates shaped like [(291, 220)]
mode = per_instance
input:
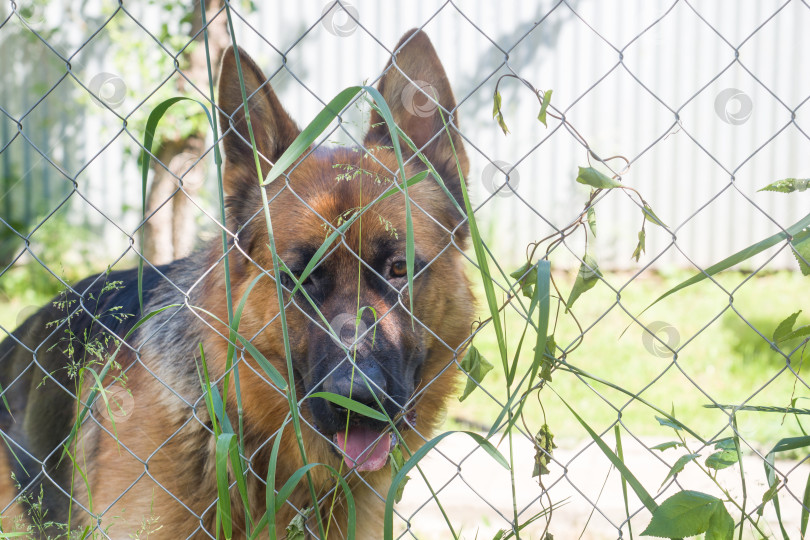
[(721, 358)]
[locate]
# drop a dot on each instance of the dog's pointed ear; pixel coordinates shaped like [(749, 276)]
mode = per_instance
[(273, 129), (414, 73)]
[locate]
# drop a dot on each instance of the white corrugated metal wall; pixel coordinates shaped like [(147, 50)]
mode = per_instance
[(654, 100)]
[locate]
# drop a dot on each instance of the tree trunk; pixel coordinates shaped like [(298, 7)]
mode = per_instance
[(170, 230)]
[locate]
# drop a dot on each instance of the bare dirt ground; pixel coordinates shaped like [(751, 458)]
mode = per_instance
[(476, 492)]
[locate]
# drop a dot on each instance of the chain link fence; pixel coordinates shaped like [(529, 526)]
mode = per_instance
[(621, 419)]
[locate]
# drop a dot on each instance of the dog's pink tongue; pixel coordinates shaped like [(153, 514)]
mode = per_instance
[(362, 449)]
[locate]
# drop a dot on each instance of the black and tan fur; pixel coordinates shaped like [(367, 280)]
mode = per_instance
[(163, 461)]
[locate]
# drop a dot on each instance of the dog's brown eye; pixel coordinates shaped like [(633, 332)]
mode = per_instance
[(399, 269)]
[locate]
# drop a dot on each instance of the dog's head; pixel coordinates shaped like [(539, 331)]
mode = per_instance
[(362, 341)]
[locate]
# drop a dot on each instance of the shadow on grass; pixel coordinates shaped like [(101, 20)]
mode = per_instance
[(754, 351)]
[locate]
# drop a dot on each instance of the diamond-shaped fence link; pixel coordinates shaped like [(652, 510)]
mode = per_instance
[(152, 398)]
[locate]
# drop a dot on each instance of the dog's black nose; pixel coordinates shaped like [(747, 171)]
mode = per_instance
[(359, 382)]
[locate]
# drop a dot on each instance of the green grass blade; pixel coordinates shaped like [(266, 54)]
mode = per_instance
[(388, 527), (481, 257), (321, 251), (236, 318), (410, 251), (805, 508), (223, 222), (352, 405), (784, 445), (224, 443), (620, 453), (317, 126), (241, 485), (540, 296), (146, 153), (641, 493), (270, 493), (101, 390), (219, 411), (798, 231), (264, 363), (7, 442), (287, 489), (205, 383)]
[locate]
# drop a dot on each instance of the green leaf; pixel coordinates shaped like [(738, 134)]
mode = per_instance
[(543, 299), (352, 405), (770, 493), (502, 123), (397, 461), (721, 460), (594, 178), (666, 446), (296, 530), (641, 493), (592, 219), (648, 212), (544, 106), (476, 367), (687, 513), (543, 449), (549, 358), (721, 525), (587, 277), (679, 465), (725, 444), (801, 251), (641, 247), (801, 331), (799, 231), (788, 185), (526, 279), (669, 422), (496, 112), (785, 327), (496, 104)]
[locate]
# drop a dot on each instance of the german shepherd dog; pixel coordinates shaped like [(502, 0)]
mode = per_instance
[(153, 471)]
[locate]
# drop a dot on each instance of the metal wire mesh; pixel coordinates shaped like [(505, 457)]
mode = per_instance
[(460, 486)]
